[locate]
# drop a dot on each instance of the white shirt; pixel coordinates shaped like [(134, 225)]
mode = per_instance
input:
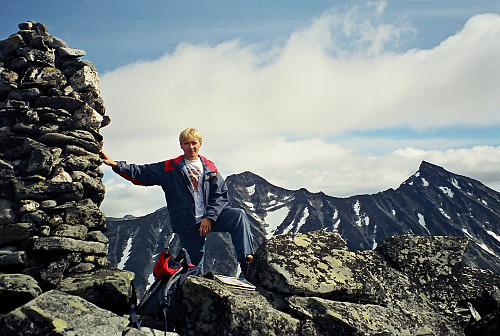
[(195, 172)]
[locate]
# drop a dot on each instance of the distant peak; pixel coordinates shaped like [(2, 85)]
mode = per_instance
[(427, 168), (246, 178), (428, 165)]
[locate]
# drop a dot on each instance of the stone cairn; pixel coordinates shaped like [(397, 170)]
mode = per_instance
[(51, 185)]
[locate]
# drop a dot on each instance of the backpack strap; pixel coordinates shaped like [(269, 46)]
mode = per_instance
[(133, 317)]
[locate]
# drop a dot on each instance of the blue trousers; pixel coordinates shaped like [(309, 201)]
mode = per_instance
[(232, 220)]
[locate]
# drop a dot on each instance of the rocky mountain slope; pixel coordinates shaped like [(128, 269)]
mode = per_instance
[(433, 201)]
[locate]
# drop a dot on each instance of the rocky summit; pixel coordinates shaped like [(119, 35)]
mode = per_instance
[(55, 277), (311, 284)]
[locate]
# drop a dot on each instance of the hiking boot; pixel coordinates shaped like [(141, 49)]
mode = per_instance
[(245, 264)]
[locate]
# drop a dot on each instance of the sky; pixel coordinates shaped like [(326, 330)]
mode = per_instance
[(343, 97)]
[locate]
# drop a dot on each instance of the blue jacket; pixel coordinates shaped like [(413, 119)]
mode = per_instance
[(174, 181)]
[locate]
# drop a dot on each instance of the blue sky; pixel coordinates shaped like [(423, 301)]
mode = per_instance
[(116, 33), (344, 97)]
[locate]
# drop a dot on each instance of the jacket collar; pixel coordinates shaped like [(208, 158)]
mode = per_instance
[(179, 162)]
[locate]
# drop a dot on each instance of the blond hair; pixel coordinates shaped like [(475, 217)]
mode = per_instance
[(190, 133)]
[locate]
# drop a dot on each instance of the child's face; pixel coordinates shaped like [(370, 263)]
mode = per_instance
[(191, 147)]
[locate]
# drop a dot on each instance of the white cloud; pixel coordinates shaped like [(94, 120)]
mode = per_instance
[(305, 90), (124, 198), (271, 111)]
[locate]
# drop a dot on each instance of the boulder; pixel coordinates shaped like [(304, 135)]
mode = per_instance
[(40, 189), (432, 262), (57, 313), (346, 318), (305, 264), (13, 261), (16, 290), (15, 232), (209, 308), (44, 77), (65, 52), (7, 213), (86, 79), (63, 139), (69, 104), (48, 274), (66, 245), (84, 212), (6, 170), (312, 285), (71, 231), (110, 289)]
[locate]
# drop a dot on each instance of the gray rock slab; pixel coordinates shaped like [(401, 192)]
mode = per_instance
[(16, 290), (346, 318), (213, 309), (109, 288), (314, 263), (67, 245), (58, 313), (11, 233)]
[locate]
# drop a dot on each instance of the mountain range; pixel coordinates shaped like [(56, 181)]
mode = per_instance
[(433, 201)]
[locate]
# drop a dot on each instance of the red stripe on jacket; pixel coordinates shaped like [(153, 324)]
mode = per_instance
[(133, 180)]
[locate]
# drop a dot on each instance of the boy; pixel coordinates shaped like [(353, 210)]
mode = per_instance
[(196, 196)]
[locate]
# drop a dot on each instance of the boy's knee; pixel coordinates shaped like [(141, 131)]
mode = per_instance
[(240, 212), (236, 212)]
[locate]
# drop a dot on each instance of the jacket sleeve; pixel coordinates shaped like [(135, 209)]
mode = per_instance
[(145, 175), (217, 198)]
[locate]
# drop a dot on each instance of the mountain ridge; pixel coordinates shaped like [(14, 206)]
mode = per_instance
[(432, 201)]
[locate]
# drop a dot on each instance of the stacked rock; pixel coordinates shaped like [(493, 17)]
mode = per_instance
[(50, 181)]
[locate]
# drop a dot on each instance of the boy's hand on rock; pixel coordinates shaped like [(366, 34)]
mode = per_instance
[(205, 226), (107, 160)]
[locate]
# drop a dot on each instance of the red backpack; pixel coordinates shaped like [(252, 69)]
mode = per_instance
[(166, 266)]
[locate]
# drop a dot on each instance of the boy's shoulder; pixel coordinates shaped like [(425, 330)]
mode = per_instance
[(210, 164)]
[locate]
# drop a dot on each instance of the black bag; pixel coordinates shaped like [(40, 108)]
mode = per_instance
[(163, 296)]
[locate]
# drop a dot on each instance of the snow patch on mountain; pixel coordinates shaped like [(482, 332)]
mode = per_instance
[(274, 219), (447, 191), (251, 190), (444, 213), (485, 248), (301, 222), (464, 230), (249, 205), (126, 254), (493, 234), (421, 221), (336, 226), (362, 219), (455, 183)]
